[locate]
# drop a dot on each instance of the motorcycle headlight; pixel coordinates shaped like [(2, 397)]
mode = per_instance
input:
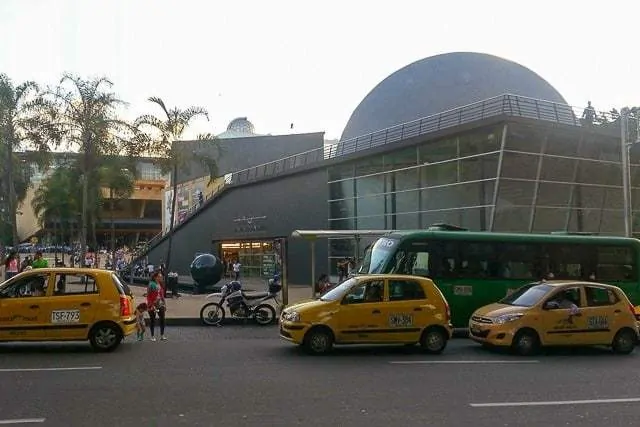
[(505, 318), (291, 316)]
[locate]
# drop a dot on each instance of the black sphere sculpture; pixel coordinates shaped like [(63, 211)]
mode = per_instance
[(206, 271)]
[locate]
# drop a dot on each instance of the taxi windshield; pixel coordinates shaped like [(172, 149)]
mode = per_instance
[(339, 291), (527, 296)]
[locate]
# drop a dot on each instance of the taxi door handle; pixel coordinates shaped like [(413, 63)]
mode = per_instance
[(85, 304), (33, 307), (417, 309), (376, 312), (618, 311)]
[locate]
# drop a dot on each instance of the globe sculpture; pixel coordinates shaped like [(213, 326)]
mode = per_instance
[(206, 271)]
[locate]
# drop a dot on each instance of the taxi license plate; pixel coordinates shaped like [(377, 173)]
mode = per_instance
[(65, 316)]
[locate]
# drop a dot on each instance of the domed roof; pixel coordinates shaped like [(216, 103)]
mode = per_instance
[(238, 128), (442, 82)]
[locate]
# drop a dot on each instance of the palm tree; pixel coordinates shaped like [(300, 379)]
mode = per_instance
[(24, 119), (119, 180), (88, 119), (55, 201), (166, 132)]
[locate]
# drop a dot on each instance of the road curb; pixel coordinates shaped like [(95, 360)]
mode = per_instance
[(195, 321)]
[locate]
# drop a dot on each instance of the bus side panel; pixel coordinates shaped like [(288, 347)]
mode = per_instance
[(467, 295)]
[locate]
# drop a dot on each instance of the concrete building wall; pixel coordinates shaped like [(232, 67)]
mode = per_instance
[(263, 210), (235, 154)]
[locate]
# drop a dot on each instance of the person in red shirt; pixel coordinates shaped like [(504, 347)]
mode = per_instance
[(156, 304), (11, 265)]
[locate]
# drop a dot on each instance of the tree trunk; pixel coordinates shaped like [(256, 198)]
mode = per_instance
[(174, 198), (83, 216), (11, 205), (113, 232), (55, 244), (62, 237)]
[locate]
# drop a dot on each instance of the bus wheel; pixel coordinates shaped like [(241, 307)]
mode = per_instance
[(526, 342)]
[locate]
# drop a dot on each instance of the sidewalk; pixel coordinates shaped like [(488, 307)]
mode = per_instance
[(185, 311)]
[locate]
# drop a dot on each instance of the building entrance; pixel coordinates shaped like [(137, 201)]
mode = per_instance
[(257, 257)]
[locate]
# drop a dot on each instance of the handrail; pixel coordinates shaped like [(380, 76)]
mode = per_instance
[(506, 104)]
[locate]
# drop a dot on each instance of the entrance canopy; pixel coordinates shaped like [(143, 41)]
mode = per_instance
[(315, 234)]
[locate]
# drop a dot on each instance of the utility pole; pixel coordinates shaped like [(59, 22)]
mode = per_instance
[(626, 171)]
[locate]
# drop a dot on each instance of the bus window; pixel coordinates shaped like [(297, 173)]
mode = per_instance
[(615, 263), (517, 261), (569, 262), (475, 258), (412, 258)]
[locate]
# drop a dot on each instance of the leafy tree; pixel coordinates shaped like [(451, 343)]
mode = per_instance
[(24, 121), (88, 122), (164, 136)]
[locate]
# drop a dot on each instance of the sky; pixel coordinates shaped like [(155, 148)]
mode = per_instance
[(309, 63)]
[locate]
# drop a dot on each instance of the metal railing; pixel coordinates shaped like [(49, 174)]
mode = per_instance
[(507, 104)]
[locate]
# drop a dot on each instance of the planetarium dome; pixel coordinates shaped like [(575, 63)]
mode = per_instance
[(442, 82), (239, 127)]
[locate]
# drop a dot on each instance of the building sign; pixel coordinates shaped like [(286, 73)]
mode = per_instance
[(249, 224), (268, 265)]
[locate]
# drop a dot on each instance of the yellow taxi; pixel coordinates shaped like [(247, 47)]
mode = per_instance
[(558, 313), (67, 304), (372, 309)]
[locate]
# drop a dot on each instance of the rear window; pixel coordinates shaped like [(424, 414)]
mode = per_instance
[(123, 288)]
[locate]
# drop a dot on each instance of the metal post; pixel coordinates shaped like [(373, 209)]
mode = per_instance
[(496, 186), (313, 268), (624, 121), (283, 272)]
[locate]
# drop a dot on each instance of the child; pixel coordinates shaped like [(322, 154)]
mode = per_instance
[(140, 325)]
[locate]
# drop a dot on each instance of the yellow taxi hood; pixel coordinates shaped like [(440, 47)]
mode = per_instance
[(306, 306), (497, 309)]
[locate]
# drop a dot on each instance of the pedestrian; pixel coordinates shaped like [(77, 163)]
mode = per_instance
[(140, 325), (11, 265), (39, 261), (156, 304), (236, 270), (323, 284), (589, 114)]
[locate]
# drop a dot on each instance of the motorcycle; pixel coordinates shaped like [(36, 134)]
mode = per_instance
[(242, 305)]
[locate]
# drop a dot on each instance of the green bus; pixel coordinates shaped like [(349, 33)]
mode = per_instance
[(477, 268)]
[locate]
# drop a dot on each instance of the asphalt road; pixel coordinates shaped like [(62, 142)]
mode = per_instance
[(246, 376)]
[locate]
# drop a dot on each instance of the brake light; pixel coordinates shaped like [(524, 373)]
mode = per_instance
[(633, 311), (125, 306)]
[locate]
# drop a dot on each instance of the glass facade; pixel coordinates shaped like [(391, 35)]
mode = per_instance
[(513, 178)]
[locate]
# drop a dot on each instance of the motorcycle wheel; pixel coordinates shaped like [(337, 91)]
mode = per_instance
[(264, 314), (212, 314)]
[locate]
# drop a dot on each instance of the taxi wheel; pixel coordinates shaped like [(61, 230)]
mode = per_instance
[(318, 341), (105, 337), (526, 343), (624, 342), (433, 340)]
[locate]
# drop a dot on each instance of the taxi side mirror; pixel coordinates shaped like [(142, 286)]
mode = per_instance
[(550, 305)]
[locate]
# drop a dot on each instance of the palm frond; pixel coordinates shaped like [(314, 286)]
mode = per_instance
[(157, 100)]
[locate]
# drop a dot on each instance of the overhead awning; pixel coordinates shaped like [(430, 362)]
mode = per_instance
[(315, 234)]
